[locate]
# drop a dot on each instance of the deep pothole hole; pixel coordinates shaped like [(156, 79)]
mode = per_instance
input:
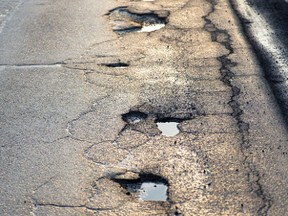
[(148, 187), (125, 20), (169, 126), (116, 65), (134, 117)]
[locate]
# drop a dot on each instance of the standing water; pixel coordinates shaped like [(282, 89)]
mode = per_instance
[(150, 191), (168, 128)]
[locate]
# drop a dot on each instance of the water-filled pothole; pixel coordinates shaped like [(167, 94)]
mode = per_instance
[(169, 126), (150, 191), (125, 20), (151, 28), (134, 117), (148, 187)]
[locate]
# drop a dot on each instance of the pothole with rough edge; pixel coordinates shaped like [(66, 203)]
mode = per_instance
[(125, 20), (134, 117), (116, 65), (169, 126), (148, 187)]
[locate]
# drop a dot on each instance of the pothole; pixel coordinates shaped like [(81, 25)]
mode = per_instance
[(125, 20), (148, 187), (169, 126), (161, 119), (134, 117), (151, 28), (150, 191), (116, 65)]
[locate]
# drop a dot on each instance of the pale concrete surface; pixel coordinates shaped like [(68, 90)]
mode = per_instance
[(65, 146)]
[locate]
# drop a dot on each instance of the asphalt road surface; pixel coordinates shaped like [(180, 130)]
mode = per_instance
[(265, 23), (101, 102)]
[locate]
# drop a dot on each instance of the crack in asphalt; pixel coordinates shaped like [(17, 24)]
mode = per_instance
[(55, 64), (227, 78), (70, 127), (100, 43), (186, 4), (56, 140), (37, 205)]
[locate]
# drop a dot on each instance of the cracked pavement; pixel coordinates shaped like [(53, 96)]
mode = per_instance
[(80, 101)]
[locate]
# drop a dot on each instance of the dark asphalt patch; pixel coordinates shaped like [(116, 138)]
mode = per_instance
[(280, 8)]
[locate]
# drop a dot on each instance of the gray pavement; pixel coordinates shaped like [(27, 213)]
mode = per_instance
[(80, 106)]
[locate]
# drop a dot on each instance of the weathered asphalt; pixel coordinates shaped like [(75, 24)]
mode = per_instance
[(71, 89), (266, 25)]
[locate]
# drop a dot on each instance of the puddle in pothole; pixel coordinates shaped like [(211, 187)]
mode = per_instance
[(151, 28), (168, 127), (148, 187), (124, 20), (150, 191), (134, 117)]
